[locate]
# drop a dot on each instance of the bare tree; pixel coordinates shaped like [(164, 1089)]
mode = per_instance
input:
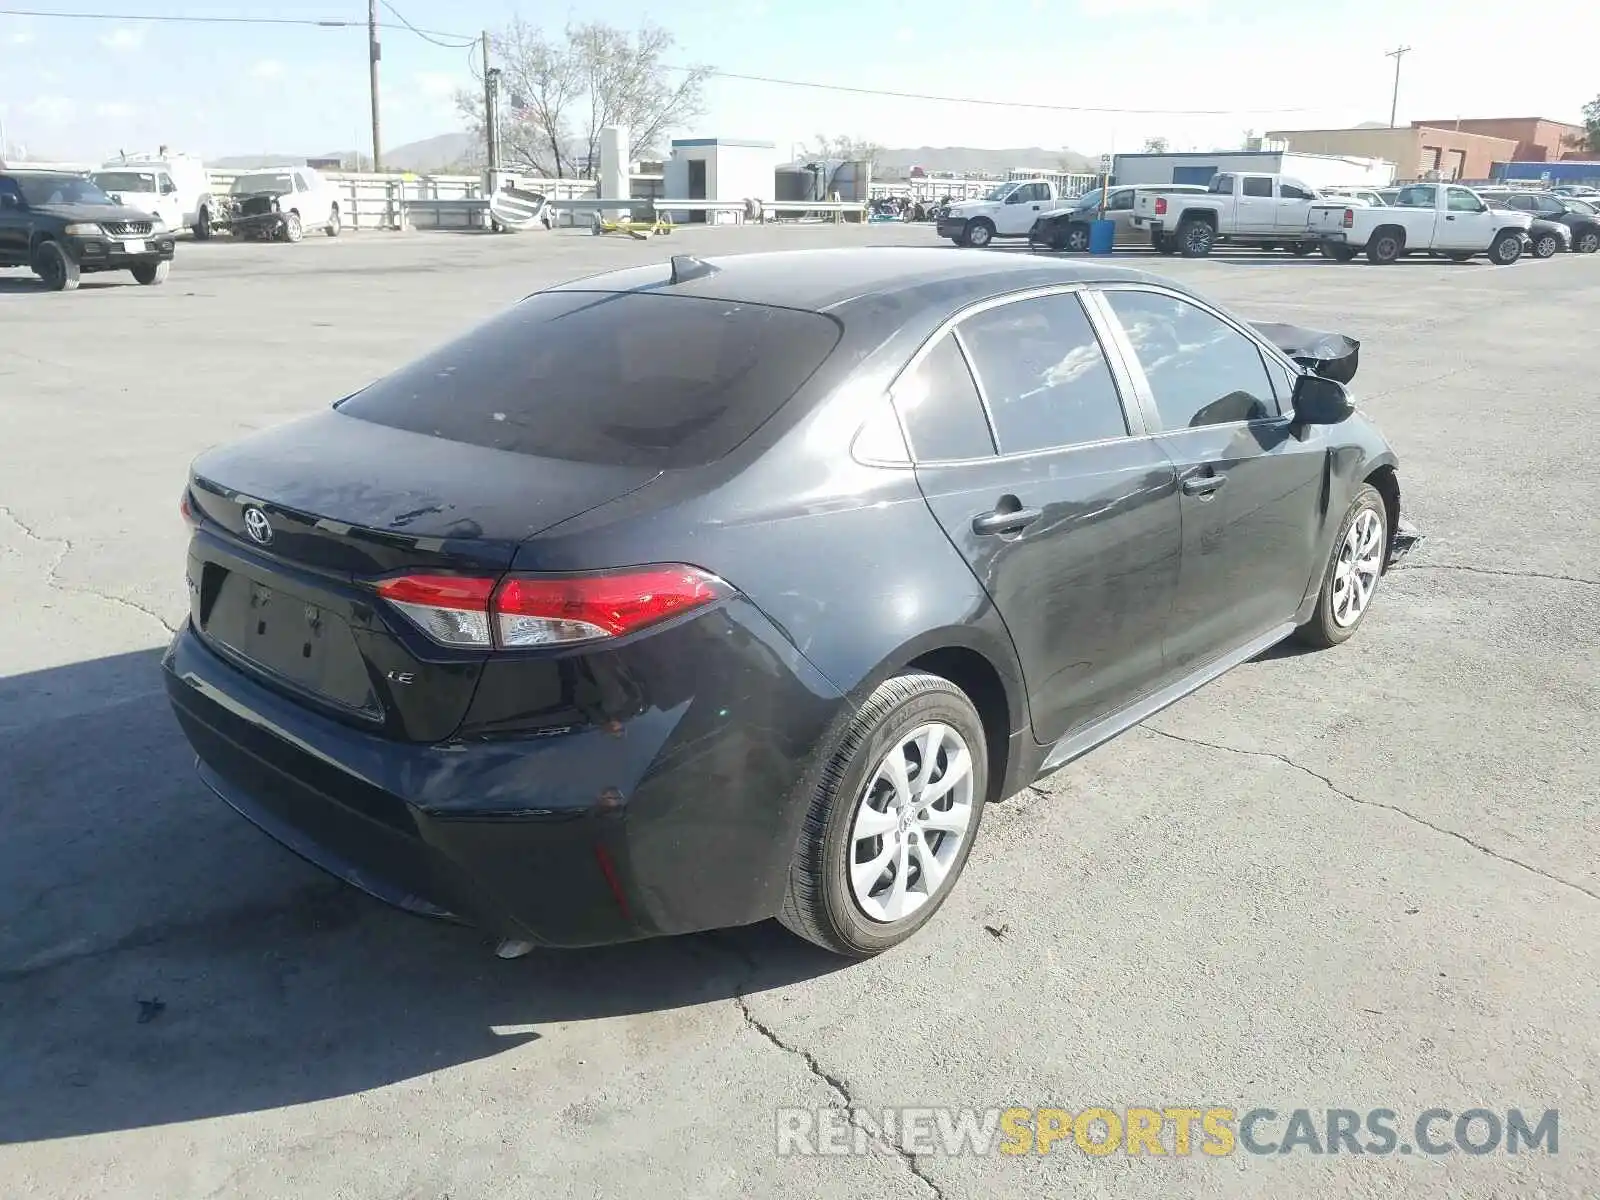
[(849, 149), (1155, 145), (556, 96)]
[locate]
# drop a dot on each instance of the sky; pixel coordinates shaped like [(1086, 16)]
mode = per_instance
[(78, 89)]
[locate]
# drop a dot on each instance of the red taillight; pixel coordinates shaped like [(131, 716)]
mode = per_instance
[(1349, 217), (186, 509), (453, 609), (1161, 206), (535, 610)]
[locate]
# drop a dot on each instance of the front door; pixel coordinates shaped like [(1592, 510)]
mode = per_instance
[(1021, 209), (697, 187), (1251, 491), (1073, 524), (1294, 206), (14, 225), (1466, 222)]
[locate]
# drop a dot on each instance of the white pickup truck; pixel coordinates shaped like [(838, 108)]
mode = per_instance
[(1426, 217), (1238, 209), (1009, 211)]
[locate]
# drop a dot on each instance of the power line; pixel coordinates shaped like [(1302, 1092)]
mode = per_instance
[(983, 101), (181, 19), (424, 34)]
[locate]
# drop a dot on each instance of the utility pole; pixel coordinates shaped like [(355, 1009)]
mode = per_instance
[(1394, 104), (375, 52), (491, 109)]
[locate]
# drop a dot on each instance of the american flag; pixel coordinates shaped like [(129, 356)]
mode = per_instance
[(519, 107)]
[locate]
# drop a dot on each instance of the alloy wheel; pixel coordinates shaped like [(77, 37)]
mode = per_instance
[(1078, 239), (911, 822), (1589, 243), (1360, 562)]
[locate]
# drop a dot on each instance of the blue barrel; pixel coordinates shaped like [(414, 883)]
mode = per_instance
[(1102, 235)]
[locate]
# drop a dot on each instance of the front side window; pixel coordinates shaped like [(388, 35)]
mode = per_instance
[(1044, 375), (939, 403), (1293, 191), (1201, 370), (1461, 200)]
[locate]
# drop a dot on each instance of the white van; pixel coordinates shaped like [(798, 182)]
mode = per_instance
[(174, 187)]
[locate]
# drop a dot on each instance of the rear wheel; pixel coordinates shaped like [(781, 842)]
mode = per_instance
[(1587, 242), (1459, 256), (333, 227), (1337, 252), (55, 266), (1386, 246), (892, 818), (150, 274), (1506, 248), (1352, 573), (1195, 239)]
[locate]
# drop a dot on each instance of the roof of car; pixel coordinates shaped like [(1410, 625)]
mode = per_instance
[(825, 279)]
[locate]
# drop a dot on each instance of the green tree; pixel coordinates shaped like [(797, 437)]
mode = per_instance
[(1589, 143)]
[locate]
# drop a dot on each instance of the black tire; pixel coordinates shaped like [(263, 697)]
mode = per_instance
[(1077, 240), (1386, 246), (1337, 252), (1195, 238), (1459, 256), (291, 229), (150, 274), (1301, 249), (55, 266), (1587, 242), (1546, 245), (819, 905), (1506, 248), (960, 239), (1322, 630), (1162, 244), (203, 229), (334, 224), (980, 233)]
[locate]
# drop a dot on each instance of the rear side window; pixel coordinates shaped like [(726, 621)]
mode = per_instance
[(1043, 374), (629, 379), (1201, 370), (1257, 185), (939, 403), (1221, 185)]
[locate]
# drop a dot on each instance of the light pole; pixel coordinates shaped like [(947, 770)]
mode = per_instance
[(1394, 103)]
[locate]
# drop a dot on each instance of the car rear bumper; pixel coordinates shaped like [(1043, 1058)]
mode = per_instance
[(603, 834)]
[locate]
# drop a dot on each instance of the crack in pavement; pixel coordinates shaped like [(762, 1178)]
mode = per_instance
[(1394, 808), (1471, 570), (53, 580), (834, 1084)]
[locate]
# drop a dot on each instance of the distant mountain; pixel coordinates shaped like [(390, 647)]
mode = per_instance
[(961, 159), (431, 154)]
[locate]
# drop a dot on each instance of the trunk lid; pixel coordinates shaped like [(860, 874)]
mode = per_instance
[(297, 522)]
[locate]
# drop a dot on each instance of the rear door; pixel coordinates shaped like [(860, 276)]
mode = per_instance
[(1070, 522), (1256, 205), (1251, 490)]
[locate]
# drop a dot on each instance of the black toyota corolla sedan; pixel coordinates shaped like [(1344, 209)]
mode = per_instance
[(725, 589)]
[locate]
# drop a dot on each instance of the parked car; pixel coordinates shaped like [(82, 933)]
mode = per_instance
[(1363, 195), (1546, 237), (1237, 209), (1068, 228), (283, 203), (61, 226), (1447, 218), (1008, 211), (174, 187), (1578, 216), (550, 628)]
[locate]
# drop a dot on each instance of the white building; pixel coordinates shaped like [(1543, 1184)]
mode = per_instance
[(719, 169), (1317, 170)]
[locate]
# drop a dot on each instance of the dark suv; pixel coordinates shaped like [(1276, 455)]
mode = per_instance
[(61, 224)]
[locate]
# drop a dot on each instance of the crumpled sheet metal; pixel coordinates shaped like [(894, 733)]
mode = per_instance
[(1331, 355)]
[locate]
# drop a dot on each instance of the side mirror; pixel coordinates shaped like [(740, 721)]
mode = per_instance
[(7, 200), (1319, 401)]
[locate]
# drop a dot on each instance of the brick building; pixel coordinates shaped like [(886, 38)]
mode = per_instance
[(1537, 139), (1416, 151)]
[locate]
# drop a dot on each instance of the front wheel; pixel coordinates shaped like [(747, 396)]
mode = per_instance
[(293, 231), (1352, 574), (1506, 248), (979, 233), (202, 225), (333, 227), (1077, 238), (1546, 245), (891, 820), (150, 274)]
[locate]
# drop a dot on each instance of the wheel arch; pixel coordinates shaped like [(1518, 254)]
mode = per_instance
[(1398, 230), (1207, 216), (1386, 479)]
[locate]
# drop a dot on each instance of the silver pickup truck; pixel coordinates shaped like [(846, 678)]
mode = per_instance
[(1237, 209)]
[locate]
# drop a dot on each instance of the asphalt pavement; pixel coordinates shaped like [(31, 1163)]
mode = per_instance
[(1356, 879)]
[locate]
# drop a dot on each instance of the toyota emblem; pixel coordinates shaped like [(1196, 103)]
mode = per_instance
[(258, 527)]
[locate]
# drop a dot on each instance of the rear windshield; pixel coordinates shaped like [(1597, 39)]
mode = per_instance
[(629, 379)]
